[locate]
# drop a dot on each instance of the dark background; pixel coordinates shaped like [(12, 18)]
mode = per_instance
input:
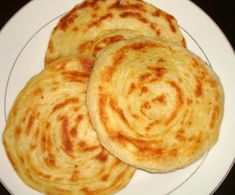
[(222, 12)]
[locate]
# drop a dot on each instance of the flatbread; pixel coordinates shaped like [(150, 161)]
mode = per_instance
[(155, 105), (49, 138), (78, 30)]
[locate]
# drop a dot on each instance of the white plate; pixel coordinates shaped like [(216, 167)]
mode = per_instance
[(23, 43)]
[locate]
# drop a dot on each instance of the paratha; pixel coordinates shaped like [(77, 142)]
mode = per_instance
[(49, 138), (154, 104), (76, 32)]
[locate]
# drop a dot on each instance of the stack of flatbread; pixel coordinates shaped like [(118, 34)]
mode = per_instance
[(119, 92)]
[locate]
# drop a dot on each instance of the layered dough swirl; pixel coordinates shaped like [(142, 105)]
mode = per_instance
[(154, 104), (49, 138), (78, 31)]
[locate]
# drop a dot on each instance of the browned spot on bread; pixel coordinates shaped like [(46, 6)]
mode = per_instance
[(75, 175), (212, 82), (75, 76), (48, 143), (146, 105), (178, 90), (131, 88), (102, 105), (183, 42), (85, 46), (135, 15), (89, 4), (67, 20), (155, 28), (119, 178), (25, 115), (105, 177), (36, 134), (180, 135), (160, 99), (38, 91), (73, 132), (141, 45), (217, 95), (82, 145), (65, 103), (21, 159), (17, 132), (75, 29), (172, 116), (189, 102), (102, 156), (108, 74), (48, 125), (158, 151), (43, 143), (179, 101), (144, 77), (30, 124), (135, 116), (170, 20), (79, 118), (199, 139), (76, 108), (107, 41), (138, 16), (192, 138), (157, 13), (114, 105), (50, 46), (173, 152), (160, 61), (94, 15), (133, 6), (159, 71), (132, 114), (152, 124), (100, 20), (50, 160), (198, 91), (32, 147), (42, 174), (119, 138), (143, 90), (86, 191), (195, 63), (87, 64), (116, 163), (67, 144), (214, 117), (117, 59)]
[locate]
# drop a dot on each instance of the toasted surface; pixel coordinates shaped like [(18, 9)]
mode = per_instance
[(78, 30), (154, 104), (49, 138)]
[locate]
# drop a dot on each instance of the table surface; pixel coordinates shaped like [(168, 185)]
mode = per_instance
[(219, 11)]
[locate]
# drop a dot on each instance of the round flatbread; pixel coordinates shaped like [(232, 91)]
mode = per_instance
[(78, 30), (154, 104), (49, 138)]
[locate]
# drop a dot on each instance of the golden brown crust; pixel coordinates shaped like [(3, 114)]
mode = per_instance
[(49, 138), (155, 105), (78, 30)]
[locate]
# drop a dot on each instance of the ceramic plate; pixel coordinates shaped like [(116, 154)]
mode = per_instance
[(23, 43)]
